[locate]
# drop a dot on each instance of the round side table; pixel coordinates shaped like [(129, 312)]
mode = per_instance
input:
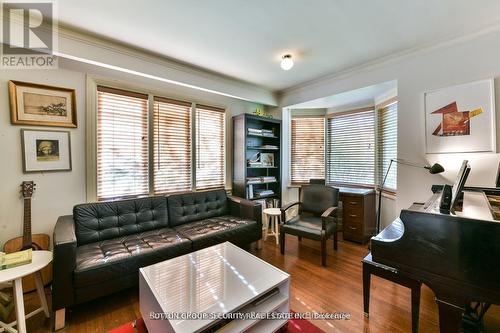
[(39, 260), (273, 217)]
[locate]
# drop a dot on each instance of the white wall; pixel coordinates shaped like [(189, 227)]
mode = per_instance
[(468, 59), (58, 192)]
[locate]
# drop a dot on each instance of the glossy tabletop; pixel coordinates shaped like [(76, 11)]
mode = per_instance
[(39, 260), (218, 279)]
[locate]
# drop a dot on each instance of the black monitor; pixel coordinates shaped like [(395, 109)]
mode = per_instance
[(459, 184)]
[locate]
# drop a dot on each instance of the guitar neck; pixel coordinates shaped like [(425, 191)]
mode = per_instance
[(27, 224)]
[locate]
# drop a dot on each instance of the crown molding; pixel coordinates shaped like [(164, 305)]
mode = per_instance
[(393, 58)]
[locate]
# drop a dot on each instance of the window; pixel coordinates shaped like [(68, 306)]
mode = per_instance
[(122, 144), (387, 144), (153, 145), (172, 146), (351, 148), (210, 147), (308, 149)]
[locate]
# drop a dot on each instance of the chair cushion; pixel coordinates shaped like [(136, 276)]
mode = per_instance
[(307, 226), (96, 222), (316, 198), (113, 258), (216, 230)]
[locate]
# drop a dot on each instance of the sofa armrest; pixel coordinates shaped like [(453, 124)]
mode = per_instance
[(64, 262), (246, 209)]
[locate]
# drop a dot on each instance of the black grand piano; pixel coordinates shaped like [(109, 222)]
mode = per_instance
[(450, 244)]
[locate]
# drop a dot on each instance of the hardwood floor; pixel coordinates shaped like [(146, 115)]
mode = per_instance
[(336, 288)]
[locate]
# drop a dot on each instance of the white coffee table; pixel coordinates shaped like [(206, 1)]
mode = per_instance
[(40, 259), (220, 279)]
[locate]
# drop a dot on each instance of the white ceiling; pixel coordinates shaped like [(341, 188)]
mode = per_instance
[(350, 99), (245, 39)]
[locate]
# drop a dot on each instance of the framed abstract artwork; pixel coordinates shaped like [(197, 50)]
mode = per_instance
[(41, 105), (461, 119), (46, 150)]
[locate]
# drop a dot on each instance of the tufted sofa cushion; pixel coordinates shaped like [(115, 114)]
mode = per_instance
[(96, 222), (114, 258), (219, 229), (194, 206)]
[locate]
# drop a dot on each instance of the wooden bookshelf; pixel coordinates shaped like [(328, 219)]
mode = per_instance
[(248, 145)]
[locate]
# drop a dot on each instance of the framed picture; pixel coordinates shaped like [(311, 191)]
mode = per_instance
[(267, 159), (461, 119), (41, 105), (45, 150)]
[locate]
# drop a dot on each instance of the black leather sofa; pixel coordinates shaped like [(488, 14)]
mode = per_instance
[(99, 249)]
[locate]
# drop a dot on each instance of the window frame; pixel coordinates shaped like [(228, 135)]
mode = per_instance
[(378, 182), (92, 82), (375, 109), (323, 116), (327, 139)]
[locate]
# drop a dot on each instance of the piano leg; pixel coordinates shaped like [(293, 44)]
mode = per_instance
[(366, 289), (450, 317), (415, 305)]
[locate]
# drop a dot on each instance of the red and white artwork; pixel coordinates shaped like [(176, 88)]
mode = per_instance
[(461, 119)]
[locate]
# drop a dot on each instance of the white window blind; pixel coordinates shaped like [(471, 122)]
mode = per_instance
[(122, 144), (308, 149), (351, 148), (387, 144), (172, 146), (210, 147)]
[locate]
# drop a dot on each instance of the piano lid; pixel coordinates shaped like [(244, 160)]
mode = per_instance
[(475, 205)]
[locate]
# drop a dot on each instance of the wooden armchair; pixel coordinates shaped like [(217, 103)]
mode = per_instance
[(317, 218)]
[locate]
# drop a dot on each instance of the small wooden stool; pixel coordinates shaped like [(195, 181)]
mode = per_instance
[(273, 215), (391, 274)]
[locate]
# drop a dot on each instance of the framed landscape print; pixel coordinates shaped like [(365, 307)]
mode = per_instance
[(41, 105), (46, 150), (461, 119)]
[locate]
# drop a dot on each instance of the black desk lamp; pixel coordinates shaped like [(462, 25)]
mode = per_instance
[(434, 169)]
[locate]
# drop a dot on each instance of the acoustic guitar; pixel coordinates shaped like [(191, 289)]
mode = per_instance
[(29, 241)]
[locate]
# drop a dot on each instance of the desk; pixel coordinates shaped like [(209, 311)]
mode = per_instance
[(358, 213), (40, 259)]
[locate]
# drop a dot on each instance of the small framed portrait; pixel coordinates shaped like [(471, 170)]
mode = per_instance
[(267, 159), (41, 105), (46, 150)]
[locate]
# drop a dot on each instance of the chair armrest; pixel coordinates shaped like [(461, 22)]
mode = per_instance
[(285, 208), (64, 262), (328, 213), (245, 209)]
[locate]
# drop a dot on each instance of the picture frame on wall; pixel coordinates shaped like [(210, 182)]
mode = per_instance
[(44, 150), (42, 105), (461, 118)]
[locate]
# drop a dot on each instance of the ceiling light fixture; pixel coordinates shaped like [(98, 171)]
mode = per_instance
[(287, 62)]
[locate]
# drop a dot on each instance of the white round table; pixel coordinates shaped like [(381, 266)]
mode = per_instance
[(40, 259), (273, 217)]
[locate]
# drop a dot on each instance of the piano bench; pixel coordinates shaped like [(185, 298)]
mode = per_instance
[(370, 267)]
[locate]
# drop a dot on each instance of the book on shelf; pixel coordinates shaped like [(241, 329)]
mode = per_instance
[(15, 259), (263, 193), (255, 164), (259, 180), (268, 147), (250, 191)]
